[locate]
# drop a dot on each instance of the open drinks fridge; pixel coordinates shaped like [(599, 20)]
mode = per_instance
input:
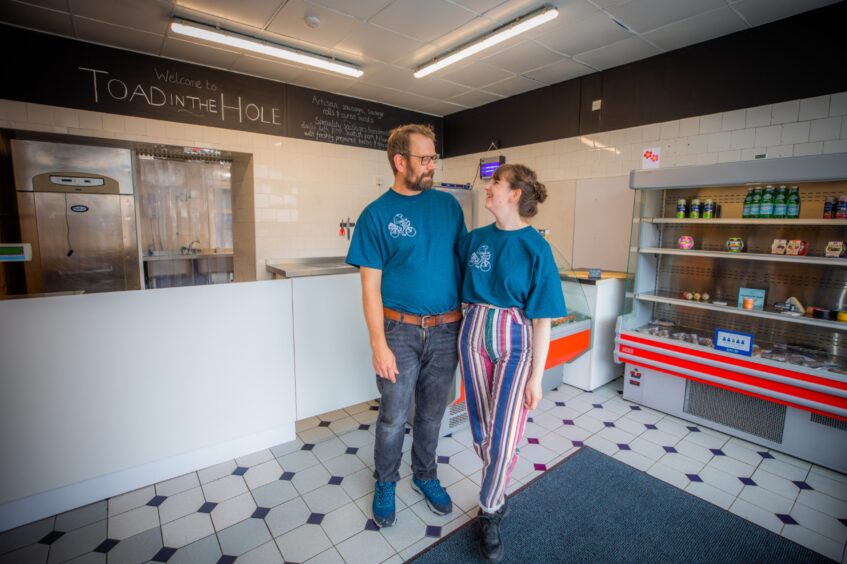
[(715, 327)]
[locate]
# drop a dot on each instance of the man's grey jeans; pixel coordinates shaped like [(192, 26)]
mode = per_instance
[(427, 360)]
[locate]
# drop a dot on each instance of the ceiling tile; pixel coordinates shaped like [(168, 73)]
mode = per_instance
[(322, 81), (590, 32), (411, 101), (370, 42), (759, 12), (440, 108), (479, 6), (716, 23), (437, 88), (144, 15), (570, 11), (362, 9), (565, 69), (514, 85), (256, 13), (196, 53), (507, 11), (61, 5), (370, 92), (118, 36), (475, 98), (644, 15), (333, 27), (387, 75), (522, 57), (620, 53), (266, 69), (475, 75), (34, 17), (423, 21)]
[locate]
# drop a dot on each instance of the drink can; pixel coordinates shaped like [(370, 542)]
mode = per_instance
[(680, 208), (829, 208), (708, 209), (694, 211)]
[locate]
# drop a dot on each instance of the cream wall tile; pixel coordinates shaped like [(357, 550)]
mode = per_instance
[(795, 132), (825, 129), (805, 149), (720, 141), (838, 104), (759, 117), (839, 146), (66, 117), (785, 112), (780, 151), (689, 126), (651, 132), (729, 156), (768, 135), (734, 120), (711, 123), (751, 154), (670, 130), (814, 108), (114, 123), (13, 111)]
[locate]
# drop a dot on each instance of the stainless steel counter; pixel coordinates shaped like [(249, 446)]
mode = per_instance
[(192, 256), (312, 266)]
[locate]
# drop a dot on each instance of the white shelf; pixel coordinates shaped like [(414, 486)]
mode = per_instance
[(824, 323), (829, 261), (751, 221)]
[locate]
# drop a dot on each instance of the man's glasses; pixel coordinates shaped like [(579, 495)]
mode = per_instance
[(425, 159)]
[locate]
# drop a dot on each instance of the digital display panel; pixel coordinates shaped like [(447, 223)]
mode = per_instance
[(11, 251)]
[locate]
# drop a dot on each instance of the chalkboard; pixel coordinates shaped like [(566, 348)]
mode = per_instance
[(320, 116), (63, 72)]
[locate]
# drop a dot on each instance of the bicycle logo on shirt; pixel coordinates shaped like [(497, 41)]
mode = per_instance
[(481, 259), (401, 227)]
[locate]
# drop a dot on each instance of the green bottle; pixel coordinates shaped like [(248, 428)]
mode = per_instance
[(793, 203), (745, 209), (766, 205), (756, 203), (780, 207)]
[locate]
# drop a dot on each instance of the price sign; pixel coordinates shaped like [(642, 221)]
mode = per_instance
[(734, 342)]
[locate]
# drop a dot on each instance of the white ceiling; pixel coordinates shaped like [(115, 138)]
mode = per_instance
[(390, 39)]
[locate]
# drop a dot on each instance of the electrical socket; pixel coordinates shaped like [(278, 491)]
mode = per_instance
[(596, 104)]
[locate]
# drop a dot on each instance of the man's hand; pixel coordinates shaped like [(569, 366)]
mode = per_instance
[(384, 363), (533, 393)]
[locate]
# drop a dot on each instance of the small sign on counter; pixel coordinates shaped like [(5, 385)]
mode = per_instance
[(734, 342)]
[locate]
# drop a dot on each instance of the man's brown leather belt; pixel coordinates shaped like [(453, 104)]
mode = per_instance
[(422, 320)]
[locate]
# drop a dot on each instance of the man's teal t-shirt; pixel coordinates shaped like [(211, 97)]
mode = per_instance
[(511, 269), (412, 240)]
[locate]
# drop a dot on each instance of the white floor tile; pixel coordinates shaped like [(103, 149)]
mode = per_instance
[(766, 499), (616, 435), (447, 446), (776, 484), (263, 473), (344, 425), (186, 530), (326, 498), (25, 535), (784, 469), (427, 516), (827, 485), (30, 554), (132, 522), (78, 542), (756, 515), (286, 448), (305, 424), (316, 435), (311, 479), (814, 541), (344, 522), (255, 458), (303, 543), (822, 523), (181, 504), (366, 417), (357, 408), (466, 462), (547, 421), (634, 459), (408, 530), (224, 488), (357, 439), (125, 502), (556, 443), (823, 503), (329, 556), (682, 463), (365, 548), (721, 480), (358, 484), (178, 484), (831, 474), (336, 415), (673, 426), (287, 517), (536, 454), (630, 425), (268, 553), (801, 464), (645, 416), (692, 449), (344, 465), (731, 466), (711, 494), (573, 433), (601, 444), (465, 495), (589, 423), (233, 510), (646, 448), (660, 438), (275, 493), (74, 519), (742, 453)]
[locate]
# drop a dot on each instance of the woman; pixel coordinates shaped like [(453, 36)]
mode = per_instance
[(513, 289)]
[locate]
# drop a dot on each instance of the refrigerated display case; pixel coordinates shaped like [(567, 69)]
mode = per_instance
[(771, 376)]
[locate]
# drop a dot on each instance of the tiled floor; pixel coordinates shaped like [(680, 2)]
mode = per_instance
[(308, 501)]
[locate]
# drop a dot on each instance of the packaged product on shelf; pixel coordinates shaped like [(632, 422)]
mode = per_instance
[(829, 206), (708, 208), (694, 210), (756, 202), (766, 205), (748, 201), (835, 249), (793, 208), (841, 208), (680, 208), (685, 242), (796, 247), (735, 244), (778, 246), (706, 342), (780, 203)]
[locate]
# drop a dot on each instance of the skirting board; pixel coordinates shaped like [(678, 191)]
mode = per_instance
[(59, 500)]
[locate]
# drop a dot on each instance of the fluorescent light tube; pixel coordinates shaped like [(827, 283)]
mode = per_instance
[(506, 32), (248, 44)]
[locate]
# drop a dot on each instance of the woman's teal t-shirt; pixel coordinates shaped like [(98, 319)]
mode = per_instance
[(511, 269)]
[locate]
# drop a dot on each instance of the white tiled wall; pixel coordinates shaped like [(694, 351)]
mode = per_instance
[(801, 127), (303, 189)]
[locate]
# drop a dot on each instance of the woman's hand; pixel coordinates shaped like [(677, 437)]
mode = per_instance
[(533, 393)]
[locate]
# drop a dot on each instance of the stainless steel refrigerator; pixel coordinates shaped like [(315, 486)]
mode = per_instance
[(77, 210)]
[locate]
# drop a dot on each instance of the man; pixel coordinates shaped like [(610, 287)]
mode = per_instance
[(404, 246)]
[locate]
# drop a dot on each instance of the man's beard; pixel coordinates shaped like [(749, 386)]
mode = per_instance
[(420, 184)]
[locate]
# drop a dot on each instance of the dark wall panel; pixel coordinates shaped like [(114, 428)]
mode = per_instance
[(789, 59)]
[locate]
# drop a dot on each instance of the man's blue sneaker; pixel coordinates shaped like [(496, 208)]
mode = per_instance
[(437, 498), (383, 506)]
